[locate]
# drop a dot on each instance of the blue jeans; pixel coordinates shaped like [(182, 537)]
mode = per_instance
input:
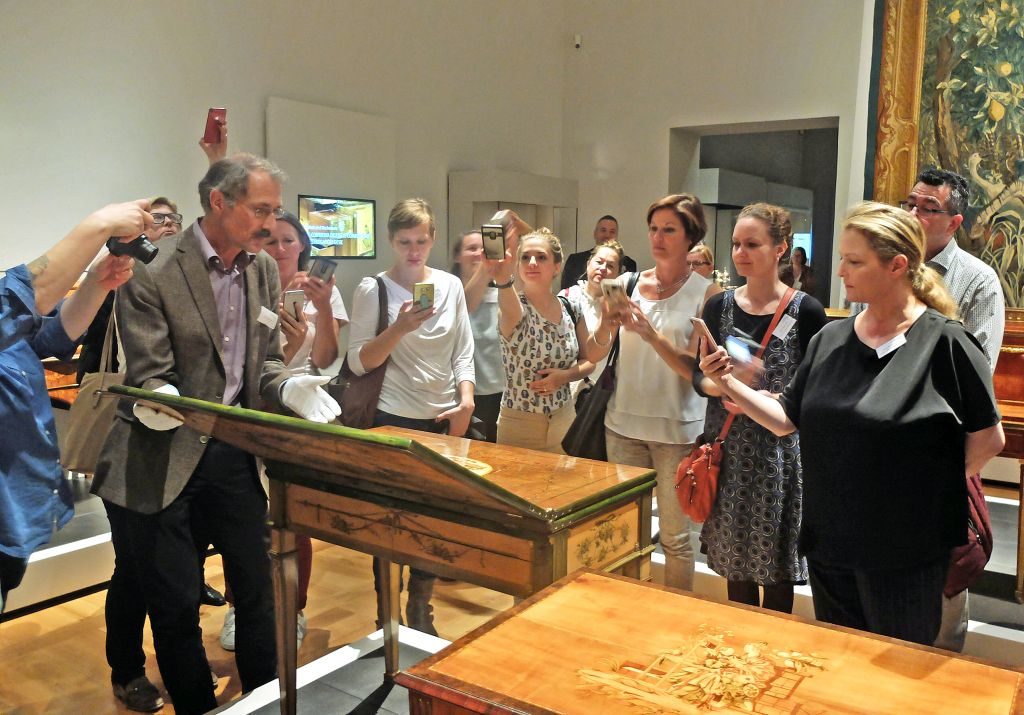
[(673, 524)]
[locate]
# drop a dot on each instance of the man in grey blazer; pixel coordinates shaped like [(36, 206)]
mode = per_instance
[(201, 321)]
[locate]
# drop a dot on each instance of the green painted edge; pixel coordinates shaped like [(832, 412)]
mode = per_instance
[(256, 416), (619, 498)]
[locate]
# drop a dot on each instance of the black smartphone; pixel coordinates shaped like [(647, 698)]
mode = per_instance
[(321, 268)]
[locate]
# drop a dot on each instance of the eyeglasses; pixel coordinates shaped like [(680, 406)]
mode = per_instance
[(159, 219), (695, 264), (924, 210), (262, 212)]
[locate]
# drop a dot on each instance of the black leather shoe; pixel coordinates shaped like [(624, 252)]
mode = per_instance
[(209, 596), (139, 695)]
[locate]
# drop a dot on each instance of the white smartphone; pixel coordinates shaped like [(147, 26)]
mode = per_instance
[(614, 292), (738, 350), (294, 301)]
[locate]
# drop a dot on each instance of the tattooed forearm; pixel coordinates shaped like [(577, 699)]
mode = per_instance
[(36, 267)]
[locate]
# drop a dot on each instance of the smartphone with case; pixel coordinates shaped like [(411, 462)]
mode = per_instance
[(702, 330), (294, 301), (216, 117), (615, 293), (321, 268), (423, 295), (494, 241)]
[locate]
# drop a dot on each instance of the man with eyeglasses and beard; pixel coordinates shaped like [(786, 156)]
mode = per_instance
[(202, 322)]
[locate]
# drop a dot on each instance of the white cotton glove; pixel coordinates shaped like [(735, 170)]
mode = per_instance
[(304, 396), (155, 420)]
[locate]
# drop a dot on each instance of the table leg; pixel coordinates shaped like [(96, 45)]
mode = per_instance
[(1019, 593), (390, 581), (286, 578)]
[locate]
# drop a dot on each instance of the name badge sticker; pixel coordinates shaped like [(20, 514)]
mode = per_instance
[(891, 346), (267, 317), (786, 323)]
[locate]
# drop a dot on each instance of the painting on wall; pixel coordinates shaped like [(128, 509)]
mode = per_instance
[(950, 90)]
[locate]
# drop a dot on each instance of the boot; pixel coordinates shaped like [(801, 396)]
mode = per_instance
[(418, 611)]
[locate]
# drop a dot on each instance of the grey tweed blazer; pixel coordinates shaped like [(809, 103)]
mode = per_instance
[(168, 323)]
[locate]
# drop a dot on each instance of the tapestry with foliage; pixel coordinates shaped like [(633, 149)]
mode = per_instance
[(971, 122)]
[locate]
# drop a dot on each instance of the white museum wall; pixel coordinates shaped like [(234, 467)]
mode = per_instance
[(645, 68), (105, 100)]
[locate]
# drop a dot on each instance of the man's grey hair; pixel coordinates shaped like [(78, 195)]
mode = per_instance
[(231, 177)]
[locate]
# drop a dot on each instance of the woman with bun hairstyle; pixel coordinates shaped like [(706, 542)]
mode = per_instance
[(894, 408), (540, 344), (655, 416), (751, 535)]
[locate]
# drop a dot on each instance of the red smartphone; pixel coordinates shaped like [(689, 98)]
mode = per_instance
[(215, 118), (702, 331)]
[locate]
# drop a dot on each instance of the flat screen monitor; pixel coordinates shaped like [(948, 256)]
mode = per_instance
[(340, 228)]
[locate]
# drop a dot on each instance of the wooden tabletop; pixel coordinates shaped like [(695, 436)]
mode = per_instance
[(594, 643)]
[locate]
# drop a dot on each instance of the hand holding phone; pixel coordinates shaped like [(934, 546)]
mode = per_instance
[(615, 293), (701, 328), (216, 117), (423, 295), (321, 268), (493, 236), (294, 301)]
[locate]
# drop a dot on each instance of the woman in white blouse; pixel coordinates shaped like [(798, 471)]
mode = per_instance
[(540, 344), (310, 342), (654, 415), (428, 383)]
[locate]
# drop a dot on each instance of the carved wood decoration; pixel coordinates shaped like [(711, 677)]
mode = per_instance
[(899, 96)]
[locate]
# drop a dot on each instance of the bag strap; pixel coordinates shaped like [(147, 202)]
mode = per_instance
[(613, 355), (783, 304), (568, 308), (382, 305)]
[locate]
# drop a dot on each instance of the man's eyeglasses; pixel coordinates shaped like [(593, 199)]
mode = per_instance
[(262, 212), (924, 210), (159, 219)]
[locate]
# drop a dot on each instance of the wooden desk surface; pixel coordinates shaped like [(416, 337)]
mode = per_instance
[(551, 482), (592, 643)]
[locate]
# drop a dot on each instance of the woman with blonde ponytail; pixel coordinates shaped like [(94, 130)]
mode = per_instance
[(894, 408)]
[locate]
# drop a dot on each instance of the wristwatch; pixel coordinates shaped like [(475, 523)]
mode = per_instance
[(505, 285)]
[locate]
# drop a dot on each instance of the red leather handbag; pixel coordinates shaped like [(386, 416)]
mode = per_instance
[(697, 476)]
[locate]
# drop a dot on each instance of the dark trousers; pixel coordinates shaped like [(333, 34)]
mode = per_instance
[(225, 499), (386, 419), (12, 570), (901, 603), (125, 607), (487, 408)]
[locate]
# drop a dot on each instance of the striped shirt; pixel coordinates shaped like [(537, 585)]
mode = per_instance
[(975, 287)]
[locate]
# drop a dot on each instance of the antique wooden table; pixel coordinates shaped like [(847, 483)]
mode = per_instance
[(510, 519), (594, 643)]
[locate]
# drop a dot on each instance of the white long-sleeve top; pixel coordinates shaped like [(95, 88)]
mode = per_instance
[(427, 364)]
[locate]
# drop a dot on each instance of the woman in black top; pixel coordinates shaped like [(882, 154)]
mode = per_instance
[(895, 408), (750, 537)]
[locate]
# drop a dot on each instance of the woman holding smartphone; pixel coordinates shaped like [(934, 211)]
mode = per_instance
[(585, 296), (310, 336), (654, 415), (895, 407), (540, 344), (429, 380), (751, 535), (477, 276)]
